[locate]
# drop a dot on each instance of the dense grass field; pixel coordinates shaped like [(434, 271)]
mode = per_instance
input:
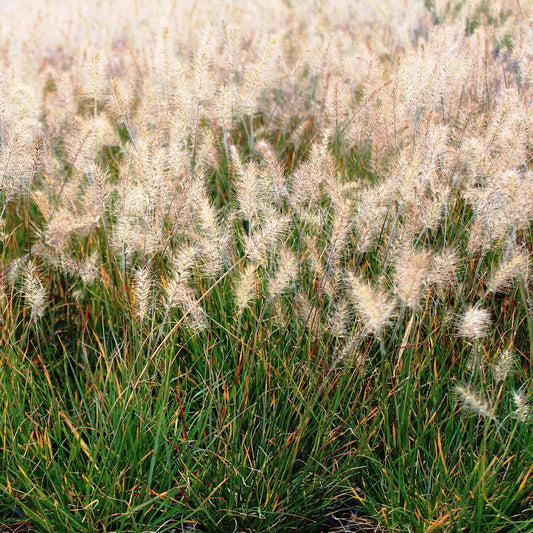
[(265, 266)]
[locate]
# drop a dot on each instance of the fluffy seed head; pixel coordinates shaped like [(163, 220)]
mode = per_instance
[(33, 290), (246, 287), (306, 312), (248, 185), (522, 410), (339, 321), (411, 273), (142, 290), (274, 171), (342, 222), (183, 262), (474, 323), (515, 267), (375, 308), (443, 268), (474, 401), (262, 240), (503, 365), (180, 295), (286, 273), (59, 229)]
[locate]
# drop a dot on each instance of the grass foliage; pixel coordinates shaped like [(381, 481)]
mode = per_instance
[(265, 266)]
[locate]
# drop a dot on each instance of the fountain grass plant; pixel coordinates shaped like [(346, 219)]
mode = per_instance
[(266, 268)]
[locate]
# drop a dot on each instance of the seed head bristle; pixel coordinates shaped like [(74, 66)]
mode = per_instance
[(374, 306), (514, 268), (473, 401), (522, 410), (410, 276), (339, 321), (182, 296), (286, 273), (503, 365), (142, 289), (474, 323), (33, 290), (443, 269), (246, 287)]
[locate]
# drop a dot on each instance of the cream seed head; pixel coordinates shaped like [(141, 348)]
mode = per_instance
[(183, 262), (503, 365), (305, 311), (473, 401), (176, 291), (341, 227), (522, 410), (248, 186), (514, 268), (410, 276), (245, 290), (443, 269), (142, 288), (474, 323), (263, 239), (339, 321), (287, 272), (182, 296), (33, 290), (373, 305), (275, 172)]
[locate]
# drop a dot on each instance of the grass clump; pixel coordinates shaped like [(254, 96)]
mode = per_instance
[(266, 273)]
